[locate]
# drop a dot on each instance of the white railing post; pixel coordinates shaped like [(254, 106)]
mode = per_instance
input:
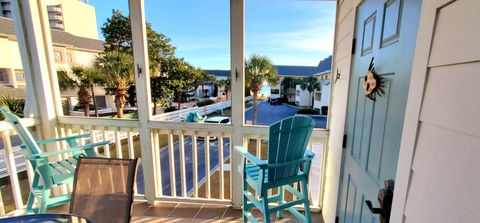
[(36, 49), (237, 70), (142, 84), (12, 169)]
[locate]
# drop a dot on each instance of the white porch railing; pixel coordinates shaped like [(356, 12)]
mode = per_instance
[(177, 116), (192, 161)]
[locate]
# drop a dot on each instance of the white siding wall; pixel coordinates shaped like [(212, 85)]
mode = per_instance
[(344, 32), (443, 167)]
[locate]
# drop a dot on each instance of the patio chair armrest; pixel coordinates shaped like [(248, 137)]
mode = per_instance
[(305, 159), (247, 155), (308, 155), (71, 150), (68, 138)]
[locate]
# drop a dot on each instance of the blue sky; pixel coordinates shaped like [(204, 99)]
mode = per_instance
[(289, 32)]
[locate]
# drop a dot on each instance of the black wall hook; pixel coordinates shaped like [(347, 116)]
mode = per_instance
[(139, 70), (337, 76), (236, 74)]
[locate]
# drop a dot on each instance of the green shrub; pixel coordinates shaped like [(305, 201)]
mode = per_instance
[(308, 111), (205, 103), (15, 105)]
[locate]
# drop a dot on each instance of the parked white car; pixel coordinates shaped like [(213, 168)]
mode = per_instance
[(216, 120)]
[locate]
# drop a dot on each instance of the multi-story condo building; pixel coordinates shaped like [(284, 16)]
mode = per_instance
[(64, 15), (75, 42)]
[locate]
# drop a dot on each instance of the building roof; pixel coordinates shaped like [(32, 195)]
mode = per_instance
[(301, 71), (219, 73), (58, 37), (287, 70)]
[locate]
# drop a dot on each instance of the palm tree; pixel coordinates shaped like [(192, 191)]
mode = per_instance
[(226, 84), (84, 79), (116, 68), (310, 84), (259, 69)]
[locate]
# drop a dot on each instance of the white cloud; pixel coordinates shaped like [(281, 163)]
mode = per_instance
[(304, 44)]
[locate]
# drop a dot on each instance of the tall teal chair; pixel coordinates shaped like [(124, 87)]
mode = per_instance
[(288, 162), (49, 174)]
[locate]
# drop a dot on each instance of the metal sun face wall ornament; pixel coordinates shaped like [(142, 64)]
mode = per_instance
[(373, 84)]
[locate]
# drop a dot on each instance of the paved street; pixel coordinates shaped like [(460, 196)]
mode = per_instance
[(269, 114)]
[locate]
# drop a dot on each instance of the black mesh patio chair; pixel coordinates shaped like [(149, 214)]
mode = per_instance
[(103, 189)]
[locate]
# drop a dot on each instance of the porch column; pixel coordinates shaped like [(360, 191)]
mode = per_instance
[(144, 106), (237, 69), (35, 43)]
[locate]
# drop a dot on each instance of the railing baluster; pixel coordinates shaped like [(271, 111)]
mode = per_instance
[(12, 169), (195, 165), (258, 146), (181, 142), (131, 151), (220, 161), (171, 158), (2, 207), (158, 162), (207, 164), (106, 148), (81, 132), (93, 139), (118, 144)]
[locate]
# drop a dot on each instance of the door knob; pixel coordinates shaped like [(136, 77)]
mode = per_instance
[(385, 197)]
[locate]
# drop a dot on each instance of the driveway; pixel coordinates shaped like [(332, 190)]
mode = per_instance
[(269, 114)]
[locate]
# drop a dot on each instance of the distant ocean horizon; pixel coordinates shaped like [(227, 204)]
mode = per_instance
[(265, 90)]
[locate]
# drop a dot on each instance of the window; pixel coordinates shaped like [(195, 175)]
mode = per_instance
[(101, 101), (275, 91), (19, 75), (298, 92), (2, 78), (58, 56), (69, 58), (318, 96)]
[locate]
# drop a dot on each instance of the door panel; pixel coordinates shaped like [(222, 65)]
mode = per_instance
[(385, 30)]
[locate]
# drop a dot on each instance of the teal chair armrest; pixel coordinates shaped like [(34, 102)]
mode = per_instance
[(247, 155), (71, 150), (309, 154), (68, 138)]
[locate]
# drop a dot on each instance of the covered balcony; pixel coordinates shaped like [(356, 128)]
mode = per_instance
[(187, 170)]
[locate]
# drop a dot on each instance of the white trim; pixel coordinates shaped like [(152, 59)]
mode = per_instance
[(144, 105), (237, 69)]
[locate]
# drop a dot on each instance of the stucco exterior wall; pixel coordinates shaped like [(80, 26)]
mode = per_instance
[(8, 61), (303, 98), (75, 15), (344, 33), (324, 95)]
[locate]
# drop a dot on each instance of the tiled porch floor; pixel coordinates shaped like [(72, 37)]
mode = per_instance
[(186, 212)]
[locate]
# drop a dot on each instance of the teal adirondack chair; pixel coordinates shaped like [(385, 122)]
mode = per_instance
[(49, 174), (288, 162)]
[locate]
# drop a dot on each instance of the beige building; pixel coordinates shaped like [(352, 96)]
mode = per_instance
[(63, 15), (75, 42)]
